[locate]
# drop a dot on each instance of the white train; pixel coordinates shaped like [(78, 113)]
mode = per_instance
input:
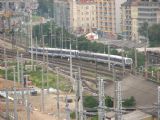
[(99, 57)]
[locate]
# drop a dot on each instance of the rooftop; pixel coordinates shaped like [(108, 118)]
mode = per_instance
[(136, 115)]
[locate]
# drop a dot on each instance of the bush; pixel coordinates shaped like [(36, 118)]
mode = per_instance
[(129, 102), (108, 101), (90, 102), (72, 115), (94, 118)]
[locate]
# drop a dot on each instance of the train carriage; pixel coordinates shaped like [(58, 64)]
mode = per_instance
[(99, 57)]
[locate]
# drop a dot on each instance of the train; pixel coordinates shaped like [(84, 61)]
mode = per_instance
[(84, 55)]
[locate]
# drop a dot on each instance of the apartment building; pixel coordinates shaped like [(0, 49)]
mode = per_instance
[(78, 16), (86, 17), (109, 16), (135, 13)]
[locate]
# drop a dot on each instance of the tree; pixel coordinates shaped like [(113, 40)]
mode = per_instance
[(129, 102), (143, 30), (45, 6), (108, 101), (90, 102), (154, 35)]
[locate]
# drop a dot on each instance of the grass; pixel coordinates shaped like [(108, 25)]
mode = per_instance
[(36, 78), (36, 18)]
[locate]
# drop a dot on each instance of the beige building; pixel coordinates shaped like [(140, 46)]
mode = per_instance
[(83, 18), (106, 21), (109, 16), (79, 17), (135, 13)]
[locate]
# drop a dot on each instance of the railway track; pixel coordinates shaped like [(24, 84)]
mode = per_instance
[(89, 70)]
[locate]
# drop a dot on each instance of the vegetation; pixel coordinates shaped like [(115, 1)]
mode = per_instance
[(80, 43), (108, 101), (151, 32), (72, 115), (154, 35), (140, 56), (36, 78), (143, 30), (90, 102), (45, 7), (129, 102), (94, 118)]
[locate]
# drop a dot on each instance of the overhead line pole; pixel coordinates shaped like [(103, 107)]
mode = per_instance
[(77, 96), (6, 89), (30, 18), (15, 95), (18, 68), (158, 110), (81, 116), (57, 85), (22, 80), (42, 89), (101, 110)]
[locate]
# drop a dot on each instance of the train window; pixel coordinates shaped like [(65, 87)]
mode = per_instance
[(128, 61)]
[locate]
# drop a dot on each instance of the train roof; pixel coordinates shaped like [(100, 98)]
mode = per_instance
[(46, 48), (100, 54), (113, 56)]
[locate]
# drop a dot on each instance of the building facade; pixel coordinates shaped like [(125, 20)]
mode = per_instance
[(86, 17), (135, 13), (77, 16), (109, 17)]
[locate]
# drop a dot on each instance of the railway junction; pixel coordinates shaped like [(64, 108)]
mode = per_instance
[(92, 70), (48, 87)]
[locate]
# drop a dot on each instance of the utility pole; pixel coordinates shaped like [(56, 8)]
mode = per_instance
[(77, 96), (15, 95), (22, 80), (42, 89), (36, 49), (57, 84), (80, 94), (158, 110), (101, 110), (123, 62), (30, 18), (145, 51), (18, 68), (109, 61), (71, 74), (28, 103), (118, 91), (135, 55), (47, 74), (6, 89), (67, 109), (62, 24)]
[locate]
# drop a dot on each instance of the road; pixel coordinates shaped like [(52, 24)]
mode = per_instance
[(145, 92)]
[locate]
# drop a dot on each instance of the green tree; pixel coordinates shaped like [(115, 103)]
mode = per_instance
[(143, 30), (72, 115), (154, 35), (90, 102), (45, 6), (129, 102), (108, 101)]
